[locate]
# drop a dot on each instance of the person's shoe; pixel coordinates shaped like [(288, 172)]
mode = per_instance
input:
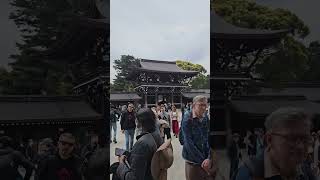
[(115, 141)]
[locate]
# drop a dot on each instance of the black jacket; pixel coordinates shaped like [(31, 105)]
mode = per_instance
[(140, 158), (128, 120), (55, 168), (10, 159)]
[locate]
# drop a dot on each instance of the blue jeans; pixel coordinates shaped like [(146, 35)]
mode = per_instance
[(113, 125), (129, 135)]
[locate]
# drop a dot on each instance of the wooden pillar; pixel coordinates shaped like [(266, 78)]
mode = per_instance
[(156, 98), (181, 101), (172, 98), (228, 121), (145, 101)]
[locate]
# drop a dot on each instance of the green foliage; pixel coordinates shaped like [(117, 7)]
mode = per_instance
[(289, 63), (186, 65), (246, 13), (201, 81), (42, 65), (291, 60), (124, 67), (313, 74)]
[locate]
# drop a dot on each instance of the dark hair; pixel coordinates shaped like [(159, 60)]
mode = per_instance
[(147, 119)]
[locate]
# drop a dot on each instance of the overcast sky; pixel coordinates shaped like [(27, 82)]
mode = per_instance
[(161, 30)]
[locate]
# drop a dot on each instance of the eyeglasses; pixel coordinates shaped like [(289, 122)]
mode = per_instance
[(64, 143), (295, 139), (202, 104)]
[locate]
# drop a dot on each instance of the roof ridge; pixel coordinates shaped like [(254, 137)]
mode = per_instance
[(159, 61)]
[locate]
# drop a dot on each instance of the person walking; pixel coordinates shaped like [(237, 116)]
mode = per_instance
[(114, 117), (166, 117), (174, 116), (128, 126)]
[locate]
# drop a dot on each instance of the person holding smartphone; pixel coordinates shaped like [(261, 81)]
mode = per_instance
[(136, 165)]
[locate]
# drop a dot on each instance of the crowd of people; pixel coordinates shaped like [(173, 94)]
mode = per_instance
[(153, 128), (286, 150), (167, 116), (61, 159)]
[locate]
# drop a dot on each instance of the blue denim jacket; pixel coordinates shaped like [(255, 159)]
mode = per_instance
[(195, 136)]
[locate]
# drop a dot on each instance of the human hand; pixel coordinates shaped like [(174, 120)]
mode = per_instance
[(205, 165), (212, 168)]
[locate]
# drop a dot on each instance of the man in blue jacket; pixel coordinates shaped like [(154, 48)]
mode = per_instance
[(196, 150)]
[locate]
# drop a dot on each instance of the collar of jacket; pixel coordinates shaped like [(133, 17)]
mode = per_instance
[(142, 134)]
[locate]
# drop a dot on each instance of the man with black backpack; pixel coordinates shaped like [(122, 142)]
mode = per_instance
[(11, 159)]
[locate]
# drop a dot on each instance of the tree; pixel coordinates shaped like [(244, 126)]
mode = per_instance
[(313, 74), (288, 63), (123, 67), (245, 13), (201, 81), (290, 60), (186, 65), (55, 53)]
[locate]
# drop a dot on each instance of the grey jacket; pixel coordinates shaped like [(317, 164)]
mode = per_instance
[(140, 158)]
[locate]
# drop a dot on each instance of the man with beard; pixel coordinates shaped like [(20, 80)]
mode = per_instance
[(287, 141), (65, 165)]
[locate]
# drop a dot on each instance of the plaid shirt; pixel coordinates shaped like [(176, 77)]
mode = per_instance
[(195, 132)]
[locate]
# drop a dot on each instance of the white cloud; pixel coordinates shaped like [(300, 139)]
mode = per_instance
[(160, 30)]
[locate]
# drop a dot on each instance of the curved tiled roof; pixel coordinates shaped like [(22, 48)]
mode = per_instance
[(26, 110), (124, 97), (219, 28), (163, 66)]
